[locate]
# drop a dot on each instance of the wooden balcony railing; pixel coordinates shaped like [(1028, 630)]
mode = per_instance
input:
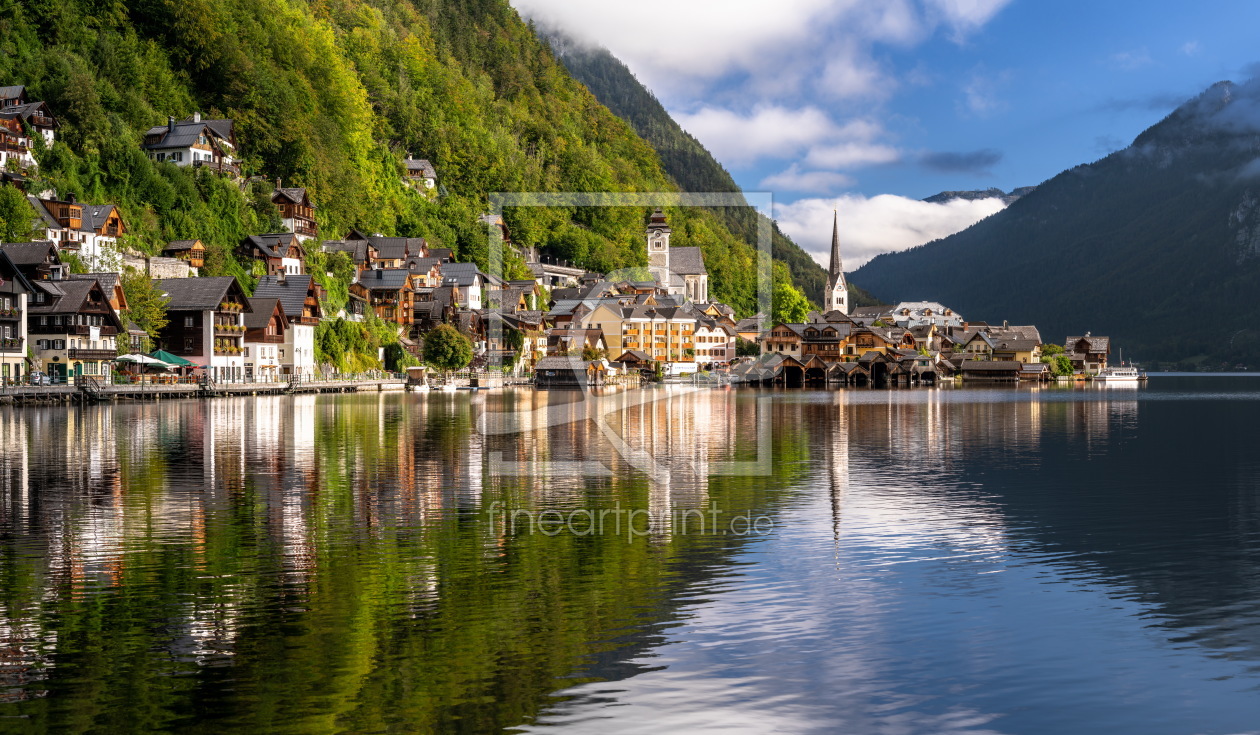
[(82, 354), (11, 344)]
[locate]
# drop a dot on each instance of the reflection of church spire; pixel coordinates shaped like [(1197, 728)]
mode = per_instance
[(838, 469)]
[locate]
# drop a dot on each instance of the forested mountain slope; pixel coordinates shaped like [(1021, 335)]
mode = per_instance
[(330, 96), (684, 158)]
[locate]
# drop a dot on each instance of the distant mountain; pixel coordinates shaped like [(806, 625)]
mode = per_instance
[(683, 157), (1156, 245), (977, 194)]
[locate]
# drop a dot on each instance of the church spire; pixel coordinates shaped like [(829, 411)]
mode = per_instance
[(837, 266), (837, 295)]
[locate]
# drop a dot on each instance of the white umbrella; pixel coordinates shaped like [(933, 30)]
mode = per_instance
[(143, 360)]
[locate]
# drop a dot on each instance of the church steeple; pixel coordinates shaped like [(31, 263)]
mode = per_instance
[(837, 296)]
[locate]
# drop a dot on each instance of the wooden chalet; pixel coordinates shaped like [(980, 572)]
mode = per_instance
[(192, 251), (280, 252), (296, 211)]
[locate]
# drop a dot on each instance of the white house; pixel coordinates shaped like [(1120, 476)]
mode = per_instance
[(299, 297), (91, 231), (193, 142), (206, 324), (467, 282), (14, 292)]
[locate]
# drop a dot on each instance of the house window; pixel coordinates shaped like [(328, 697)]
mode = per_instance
[(188, 321), (188, 344), (59, 344)]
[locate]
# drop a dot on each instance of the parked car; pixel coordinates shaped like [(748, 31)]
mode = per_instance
[(38, 378)]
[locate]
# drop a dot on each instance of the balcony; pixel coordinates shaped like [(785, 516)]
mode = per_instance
[(228, 330), (219, 167), (10, 344), (80, 354), (10, 314), (82, 329), (304, 228), (272, 339), (308, 320)]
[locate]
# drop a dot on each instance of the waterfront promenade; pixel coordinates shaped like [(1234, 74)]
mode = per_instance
[(87, 390)]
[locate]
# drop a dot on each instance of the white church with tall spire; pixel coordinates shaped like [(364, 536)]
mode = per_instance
[(836, 297)]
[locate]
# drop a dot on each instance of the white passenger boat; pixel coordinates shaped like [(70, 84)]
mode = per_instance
[(1119, 375)]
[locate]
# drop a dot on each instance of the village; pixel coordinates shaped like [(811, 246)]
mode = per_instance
[(64, 312)]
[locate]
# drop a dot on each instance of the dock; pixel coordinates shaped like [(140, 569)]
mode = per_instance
[(92, 391)]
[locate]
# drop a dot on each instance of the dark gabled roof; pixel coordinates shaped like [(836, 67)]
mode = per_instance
[(27, 110), (12, 267), (68, 297), (196, 294), (639, 355), (222, 128), (459, 274), (423, 265), (262, 311), (291, 292), (295, 194), (184, 135), (422, 165), (441, 253), (1096, 344), (687, 261), (181, 245), (384, 279), (12, 92), (396, 248), (270, 244), (30, 253), (1016, 345), (95, 216), (358, 249), (108, 281)]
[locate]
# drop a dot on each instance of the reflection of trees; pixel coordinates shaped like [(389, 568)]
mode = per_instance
[(323, 563)]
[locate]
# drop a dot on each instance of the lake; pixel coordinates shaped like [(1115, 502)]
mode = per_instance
[(962, 560)]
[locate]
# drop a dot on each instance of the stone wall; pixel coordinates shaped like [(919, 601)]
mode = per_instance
[(159, 267)]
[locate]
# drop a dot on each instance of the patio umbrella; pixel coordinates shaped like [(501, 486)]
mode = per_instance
[(142, 360), (172, 360)]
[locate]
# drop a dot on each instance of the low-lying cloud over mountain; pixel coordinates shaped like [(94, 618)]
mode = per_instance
[(880, 224)]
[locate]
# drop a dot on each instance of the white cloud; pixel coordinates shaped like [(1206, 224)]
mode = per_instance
[(679, 46), (965, 16), (874, 225), (1190, 48), (768, 131), (851, 154), (794, 179), (981, 93)]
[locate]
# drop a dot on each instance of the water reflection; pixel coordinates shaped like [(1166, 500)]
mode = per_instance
[(941, 561)]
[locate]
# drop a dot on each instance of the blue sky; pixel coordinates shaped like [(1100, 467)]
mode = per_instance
[(865, 107)]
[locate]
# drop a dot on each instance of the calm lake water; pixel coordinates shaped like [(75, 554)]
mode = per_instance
[(1006, 560)]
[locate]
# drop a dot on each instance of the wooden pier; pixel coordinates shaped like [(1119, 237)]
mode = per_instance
[(91, 391)]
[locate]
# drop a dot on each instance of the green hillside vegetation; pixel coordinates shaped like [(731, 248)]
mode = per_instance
[(331, 96), (1157, 245), (684, 158)]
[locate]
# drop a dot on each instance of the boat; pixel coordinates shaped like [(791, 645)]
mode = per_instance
[(1119, 375)]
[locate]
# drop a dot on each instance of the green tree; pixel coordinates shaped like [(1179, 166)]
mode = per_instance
[(789, 306), (16, 216), (446, 349), (746, 347), (591, 354), (146, 304), (1049, 350), (1060, 364)]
